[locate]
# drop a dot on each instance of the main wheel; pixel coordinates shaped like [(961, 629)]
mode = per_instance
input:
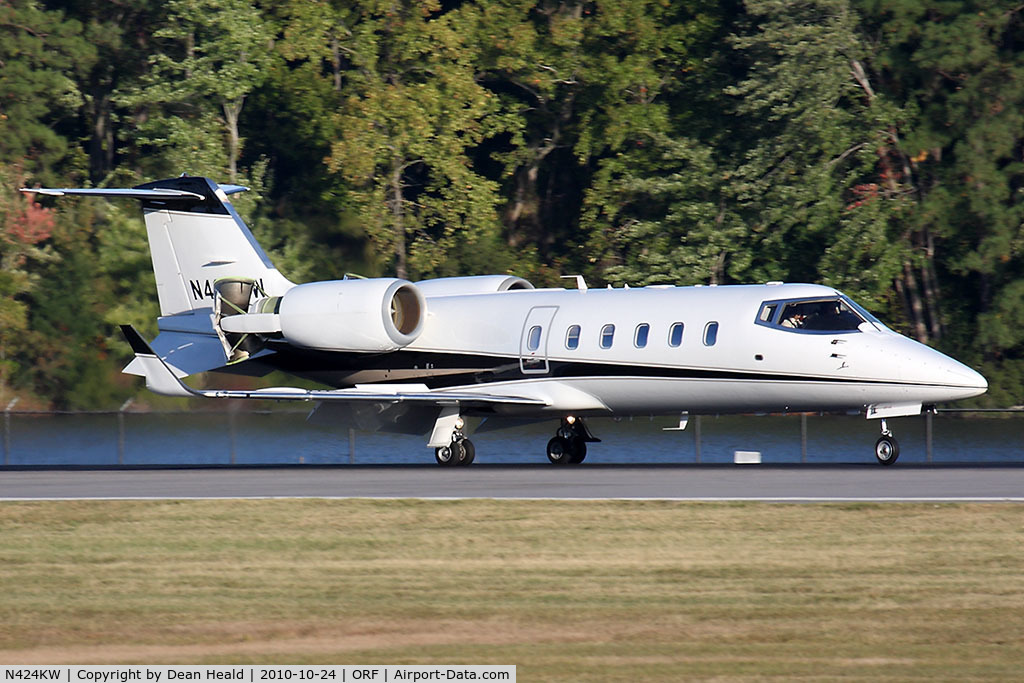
[(456, 453), (579, 451), (887, 450), (470, 449), (445, 455), (560, 451)]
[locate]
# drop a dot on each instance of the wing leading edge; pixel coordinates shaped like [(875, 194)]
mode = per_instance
[(162, 380)]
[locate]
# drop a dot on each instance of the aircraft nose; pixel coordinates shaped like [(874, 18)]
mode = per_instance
[(967, 381), (973, 379)]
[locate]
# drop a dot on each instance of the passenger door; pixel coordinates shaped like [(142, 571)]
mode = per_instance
[(533, 344)]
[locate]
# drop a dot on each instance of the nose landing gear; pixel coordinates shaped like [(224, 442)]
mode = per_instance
[(569, 445), (887, 448)]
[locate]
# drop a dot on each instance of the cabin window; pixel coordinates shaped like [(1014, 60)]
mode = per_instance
[(675, 335), (640, 338), (572, 337), (533, 338), (607, 336), (710, 334)]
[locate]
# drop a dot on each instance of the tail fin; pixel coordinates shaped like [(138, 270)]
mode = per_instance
[(195, 238)]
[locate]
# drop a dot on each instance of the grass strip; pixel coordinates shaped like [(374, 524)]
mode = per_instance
[(567, 591)]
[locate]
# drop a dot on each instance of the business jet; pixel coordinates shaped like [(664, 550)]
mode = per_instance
[(442, 356)]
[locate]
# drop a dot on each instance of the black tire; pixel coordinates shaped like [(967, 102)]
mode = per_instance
[(579, 451), (887, 450), (560, 451), (451, 455), (443, 456), (470, 449)]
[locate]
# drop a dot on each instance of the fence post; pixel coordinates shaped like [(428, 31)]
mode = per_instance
[(696, 438), (7, 431), (120, 430), (803, 437), (232, 412), (928, 434)]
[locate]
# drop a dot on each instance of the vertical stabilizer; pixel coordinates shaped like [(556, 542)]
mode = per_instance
[(196, 238)]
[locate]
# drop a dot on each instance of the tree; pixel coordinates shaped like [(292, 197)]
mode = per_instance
[(958, 68), (412, 111), (122, 50), (817, 183), (212, 54), (40, 52), (587, 80), (654, 212)]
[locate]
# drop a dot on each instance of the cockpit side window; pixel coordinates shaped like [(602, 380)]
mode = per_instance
[(767, 314), (832, 314)]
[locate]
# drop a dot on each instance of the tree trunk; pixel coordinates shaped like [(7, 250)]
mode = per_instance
[(522, 217), (931, 288), (914, 304), (101, 142), (398, 218), (232, 111), (336, 62)]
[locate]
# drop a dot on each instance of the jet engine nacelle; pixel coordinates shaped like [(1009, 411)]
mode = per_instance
[(372, 315), (472, 284)]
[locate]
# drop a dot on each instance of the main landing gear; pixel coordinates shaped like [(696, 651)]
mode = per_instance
[(569, 445), (458, 452), (887, 448)]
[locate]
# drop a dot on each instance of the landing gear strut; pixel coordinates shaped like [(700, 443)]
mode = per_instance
[(887, 448), (569, 445)]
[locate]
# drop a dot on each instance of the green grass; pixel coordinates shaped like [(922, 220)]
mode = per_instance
[(565, 590)]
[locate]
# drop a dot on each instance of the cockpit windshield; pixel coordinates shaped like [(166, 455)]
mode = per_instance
[(830, 314)]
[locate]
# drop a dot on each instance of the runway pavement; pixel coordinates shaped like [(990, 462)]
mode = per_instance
[(798, 483)]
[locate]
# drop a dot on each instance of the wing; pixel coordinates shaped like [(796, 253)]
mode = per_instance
[(162, 380)]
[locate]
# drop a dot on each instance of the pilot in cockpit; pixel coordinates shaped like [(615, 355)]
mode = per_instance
[(795, 319)]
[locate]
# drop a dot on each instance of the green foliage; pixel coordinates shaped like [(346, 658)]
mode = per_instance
[(871, 145), (41, 53), (211, 55), (411, 113), (810, 184)]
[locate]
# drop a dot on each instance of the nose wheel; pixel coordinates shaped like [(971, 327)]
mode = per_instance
[(887, 448)]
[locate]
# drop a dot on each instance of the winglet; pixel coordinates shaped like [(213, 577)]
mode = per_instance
[(135, 340), (159, 378)]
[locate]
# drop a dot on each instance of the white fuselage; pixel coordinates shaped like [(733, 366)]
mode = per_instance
[(746, 367)]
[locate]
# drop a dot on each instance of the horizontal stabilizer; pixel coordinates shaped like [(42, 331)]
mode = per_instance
[(124, 193), (162, 380), (185, 353)]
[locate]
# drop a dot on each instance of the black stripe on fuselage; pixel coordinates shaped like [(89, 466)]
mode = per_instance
[(441, 370)]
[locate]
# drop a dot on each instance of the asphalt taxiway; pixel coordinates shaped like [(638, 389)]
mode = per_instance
[(796, 483)]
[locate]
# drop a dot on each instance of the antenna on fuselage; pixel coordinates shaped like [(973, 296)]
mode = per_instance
[(581, 284)]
